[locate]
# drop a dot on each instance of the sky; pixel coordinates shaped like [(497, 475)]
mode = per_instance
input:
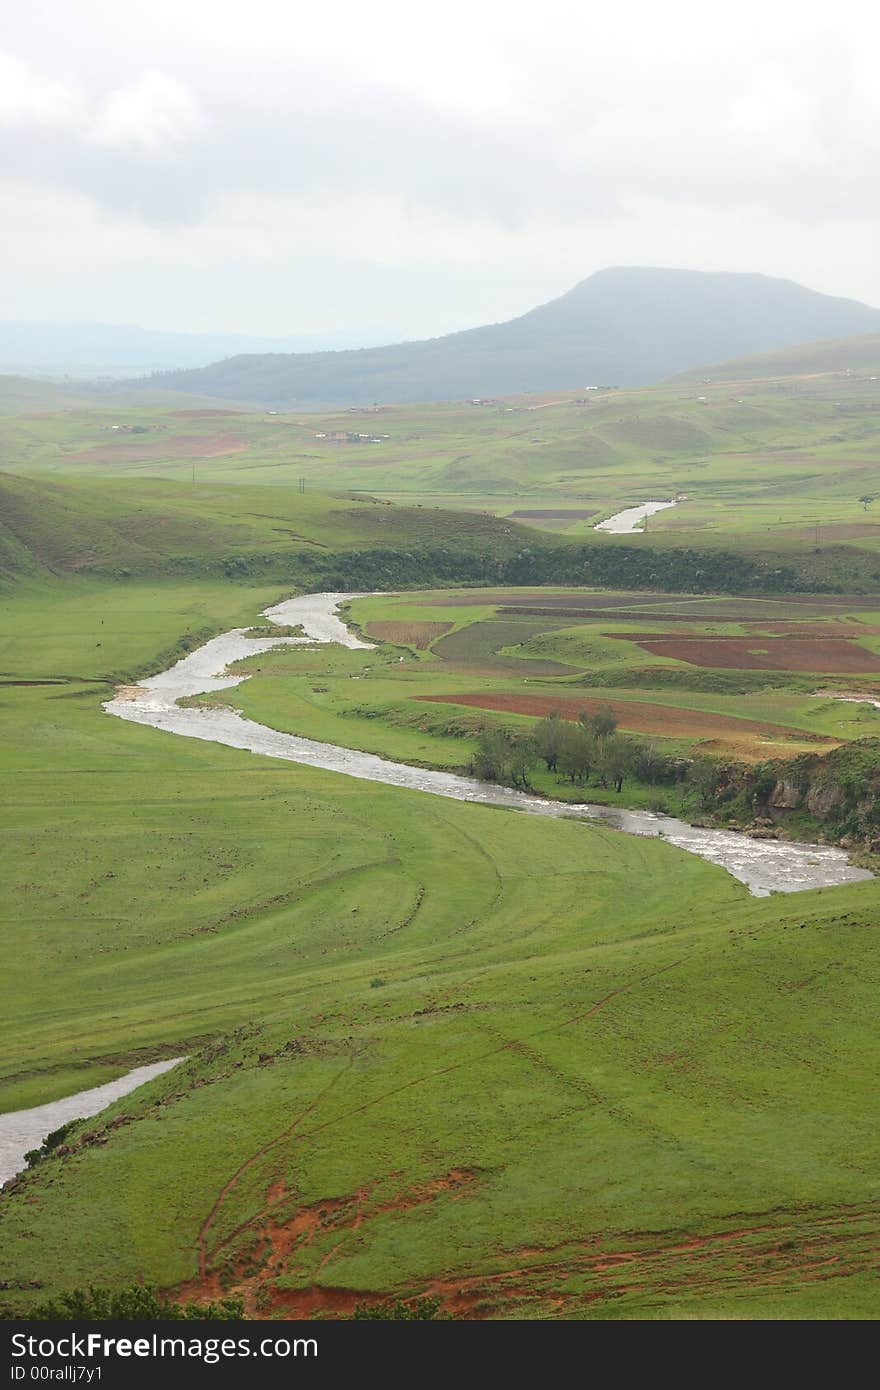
[(390, 170)]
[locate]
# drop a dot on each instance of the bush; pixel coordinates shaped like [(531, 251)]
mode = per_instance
[(135, 1303), (401, 1310)]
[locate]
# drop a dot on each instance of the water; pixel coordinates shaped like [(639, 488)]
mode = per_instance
[(765, 866), (22, 1130), (628, 522)]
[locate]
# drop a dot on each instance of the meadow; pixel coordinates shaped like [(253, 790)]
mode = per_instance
[(781, 465), (433, 1047), (535, 1067)]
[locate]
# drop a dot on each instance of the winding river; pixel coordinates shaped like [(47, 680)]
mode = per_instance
[(765, 866)]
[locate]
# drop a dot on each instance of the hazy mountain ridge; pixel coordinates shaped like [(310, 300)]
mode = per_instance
[(622, 326), (94, 349)]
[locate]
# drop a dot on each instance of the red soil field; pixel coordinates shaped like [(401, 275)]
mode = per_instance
[(636, 715), (833, 655)]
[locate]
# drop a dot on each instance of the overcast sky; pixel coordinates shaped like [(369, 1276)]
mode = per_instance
[(395, 168)]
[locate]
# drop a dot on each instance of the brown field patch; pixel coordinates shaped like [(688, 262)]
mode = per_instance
[(834, 655), (554, 519), (407, 634), (162, 446), (663, 607), (819, 627), (639, 716)]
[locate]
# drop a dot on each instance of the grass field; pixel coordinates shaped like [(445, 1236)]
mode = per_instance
[(780, 465), (536, 1067), (433, 1046)]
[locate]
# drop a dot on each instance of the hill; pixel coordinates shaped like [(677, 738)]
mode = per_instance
[(158, 529), (622, 326), (847, 355)]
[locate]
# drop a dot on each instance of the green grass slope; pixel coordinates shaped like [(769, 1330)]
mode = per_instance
[(838, 356), (154, 528), (433, 1047)]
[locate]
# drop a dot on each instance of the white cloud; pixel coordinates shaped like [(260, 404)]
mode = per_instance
[(153, 114), (29, 97), (236, 161)]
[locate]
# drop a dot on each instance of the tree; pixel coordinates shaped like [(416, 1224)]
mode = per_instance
[(867, 499), (577, 753), (615, 760), (521, 758), (548, 739), (601, 724), (500, 758), (490, 758), (650, 765), (704, 776)]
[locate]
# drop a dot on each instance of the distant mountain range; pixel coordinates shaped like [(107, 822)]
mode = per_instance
[(89, 350), (624, 326)]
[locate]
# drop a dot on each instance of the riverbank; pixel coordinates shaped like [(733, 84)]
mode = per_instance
[(764, 866)]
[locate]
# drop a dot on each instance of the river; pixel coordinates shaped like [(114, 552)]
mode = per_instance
[(629, 521), (764, 866), (22, 1130)]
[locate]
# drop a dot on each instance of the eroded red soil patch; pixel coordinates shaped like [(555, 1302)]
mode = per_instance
[(249, 1260), (637, 715)]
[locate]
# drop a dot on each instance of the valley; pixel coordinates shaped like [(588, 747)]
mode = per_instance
[(525, 1064)]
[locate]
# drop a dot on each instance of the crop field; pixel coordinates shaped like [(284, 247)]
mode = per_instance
[(432, 1047), (495, 661)]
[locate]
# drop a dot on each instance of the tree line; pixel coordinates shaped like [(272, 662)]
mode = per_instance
[(591, 746)]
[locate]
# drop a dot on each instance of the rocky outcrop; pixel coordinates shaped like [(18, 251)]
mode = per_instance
[(823, 798), (786, 795)]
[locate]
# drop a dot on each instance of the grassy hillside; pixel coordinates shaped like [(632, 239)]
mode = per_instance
[(840, 356), (787, 468), (586, 336), (433, 1047), (155, 528)]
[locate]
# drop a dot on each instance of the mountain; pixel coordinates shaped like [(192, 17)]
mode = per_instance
[(856, 356), (102, 349), (624, 326)]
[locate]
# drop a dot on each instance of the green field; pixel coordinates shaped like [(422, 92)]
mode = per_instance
[(762, 463), (535, 1067), (433, 1046)]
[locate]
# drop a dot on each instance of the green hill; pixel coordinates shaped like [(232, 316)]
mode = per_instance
[(154, 528), (848, 355), (622, 326)]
